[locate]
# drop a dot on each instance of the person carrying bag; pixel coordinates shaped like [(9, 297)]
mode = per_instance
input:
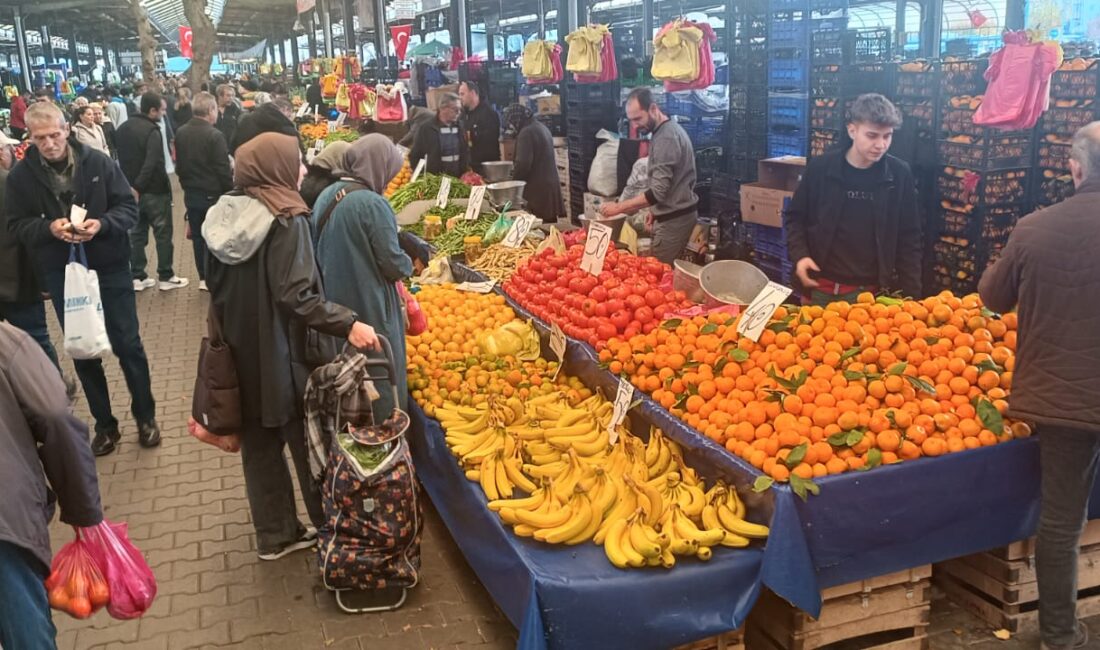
[(85, 328)]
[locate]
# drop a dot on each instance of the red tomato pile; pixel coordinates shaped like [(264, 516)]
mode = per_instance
[(623, 301)]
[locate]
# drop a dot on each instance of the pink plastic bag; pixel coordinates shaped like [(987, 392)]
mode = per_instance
[(131, 581), (416, 321)]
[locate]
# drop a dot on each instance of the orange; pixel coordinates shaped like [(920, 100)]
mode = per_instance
[(848, 420), (933, 447), (888, 440), (780, 472), (894, 383)]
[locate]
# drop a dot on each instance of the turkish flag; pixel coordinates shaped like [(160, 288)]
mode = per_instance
[(306, 5), (185, 42), (400, 35)]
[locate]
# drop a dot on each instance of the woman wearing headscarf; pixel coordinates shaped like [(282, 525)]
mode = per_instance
[(534, 162), (266, 292), (355, 231), (87, 132), (323, 171)]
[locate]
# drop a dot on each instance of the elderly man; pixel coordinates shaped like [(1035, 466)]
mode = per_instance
[(441, 141), (228, 111), (1048, 271), (481, 124), (42, 189)]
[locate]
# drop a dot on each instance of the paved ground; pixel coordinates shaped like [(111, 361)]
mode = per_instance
[(187, 511)]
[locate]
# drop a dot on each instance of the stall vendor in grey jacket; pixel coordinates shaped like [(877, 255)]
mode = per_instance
[(46, 461), (671, 194)]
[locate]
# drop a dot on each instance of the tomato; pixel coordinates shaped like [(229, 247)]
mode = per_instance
[(598, 293), (634, 301), (649, 327), (559, 293), (630, 332), (643, 315), (620, 319), (601, 310), (589, 307), (605, 330), (576, 285), (614, 305), (611, 283), (559, 261), (549, 275), (654, 298), (618, 293)]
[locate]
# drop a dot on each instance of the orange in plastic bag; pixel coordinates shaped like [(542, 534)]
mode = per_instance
[(75, 585)]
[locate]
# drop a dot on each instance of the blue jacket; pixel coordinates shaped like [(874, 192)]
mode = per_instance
[(98, 185)]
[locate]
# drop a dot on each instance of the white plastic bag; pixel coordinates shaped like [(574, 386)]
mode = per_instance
[(85, 329), (603, 176)]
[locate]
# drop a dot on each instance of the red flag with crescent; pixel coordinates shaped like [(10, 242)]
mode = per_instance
[(400, 35), (185, 42)]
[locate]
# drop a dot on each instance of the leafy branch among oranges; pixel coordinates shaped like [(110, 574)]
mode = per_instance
[(834, 389)]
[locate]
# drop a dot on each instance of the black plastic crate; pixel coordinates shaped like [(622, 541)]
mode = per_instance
[(825, 80), (1076, 84), (743, 168), (585, 125), (750, 26), (917, 79), (822, 140), (1052, 155), (860, 78), (1001, 187), (748, 121), (1066, 120), (963, 77), (752, 98), (753, 144), (601, 93), (591, 109), (918, 113), (827, 113), (872, 45), (965, 225), (827, 43), (1006, 153), (581, 155), (749, 64), (707, 131), (555, 122), (1052, 186)]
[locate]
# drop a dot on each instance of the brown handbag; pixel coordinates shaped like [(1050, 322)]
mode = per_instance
[(216, 402)]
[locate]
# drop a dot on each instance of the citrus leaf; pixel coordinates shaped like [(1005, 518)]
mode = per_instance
[(762, 483), (990, 364), (989, 313), (920, 385), (854, 375), (854, 437), (890, 417), (990, 417), (671, 324), (796, 456), (849, 353), (721, 363), (774, 395), (709, 328), (802, 486), (897, 368), (800, 379), (738, 355), (931, 340), (874, 458), (840, 439)]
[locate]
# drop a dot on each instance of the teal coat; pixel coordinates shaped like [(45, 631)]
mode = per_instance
[(361, 261)]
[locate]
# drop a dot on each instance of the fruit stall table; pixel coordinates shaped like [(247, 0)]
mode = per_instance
[(867, 524)]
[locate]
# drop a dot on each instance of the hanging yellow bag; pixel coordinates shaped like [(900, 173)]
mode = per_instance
[(329, 84), (676, 53), (343, 101), (585, 47), (536, 60)]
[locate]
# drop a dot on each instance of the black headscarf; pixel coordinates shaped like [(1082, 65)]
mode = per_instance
[(516, 117)]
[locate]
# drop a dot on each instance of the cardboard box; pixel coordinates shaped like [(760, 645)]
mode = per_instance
[(435, 94), (508, 150), (763, 202), (549, 105)]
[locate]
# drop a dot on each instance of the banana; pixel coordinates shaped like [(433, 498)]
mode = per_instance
[(738, 506), (527, 433), (526, 503), (571, 417), (523, 530), (504, 486), (565, 442), (692, 500), (578, 522), (710, 520), (517, 477), (668, 560), (638, 539), (656, 503), (472, 427), (687, 529), (546, 459), (473, 475), (488, 479), (664, 458), (508, 516), (551, 519), (589, 531), (549, 470), (597, 446), (704, 553), (511, 444), (626, 504), (549, 412), (634, 558), (652, 450), (580, 429), (611, 547), (543, 400), (740, 526)]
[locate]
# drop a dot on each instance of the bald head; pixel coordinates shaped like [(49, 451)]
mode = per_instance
[(1084, 155)]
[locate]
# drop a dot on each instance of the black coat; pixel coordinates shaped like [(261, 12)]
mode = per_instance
[(141, 155), (18, 280), (426, 145), (534, 163), (227, 121), (263, 119), (815, 211), (483, 132), (181, 115), (98, 185), (315, 182), (202, 159)]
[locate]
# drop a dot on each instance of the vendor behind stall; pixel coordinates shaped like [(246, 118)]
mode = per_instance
[(441, 141), (481, 124), (534, 163), (671, 193)]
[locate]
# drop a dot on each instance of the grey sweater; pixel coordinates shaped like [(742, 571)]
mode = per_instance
[(671, 173)]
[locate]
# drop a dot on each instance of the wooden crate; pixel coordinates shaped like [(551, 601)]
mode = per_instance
[(726, 641), (1026, 548), (889, 612)]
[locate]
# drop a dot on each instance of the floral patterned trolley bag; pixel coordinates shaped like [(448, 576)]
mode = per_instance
[(371, 539)]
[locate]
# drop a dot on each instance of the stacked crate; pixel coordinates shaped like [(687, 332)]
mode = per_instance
[(845, 65), (748, 117), (789, 27), (561, 161), (504, 81), (588, 109), (769, 252), (983, 183), (1073, 104)]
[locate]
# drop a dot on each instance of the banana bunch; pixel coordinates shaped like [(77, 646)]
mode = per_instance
[(475, 433), (659, 454), (549, 518), (725, 510), (690, 498)]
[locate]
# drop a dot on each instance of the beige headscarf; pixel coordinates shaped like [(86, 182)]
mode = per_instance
[(331, 158), (374, 160), (267, 168)]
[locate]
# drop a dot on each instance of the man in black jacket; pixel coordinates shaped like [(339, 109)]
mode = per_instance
[(42, 189), (202, 164), (46, 461), (482, 126), (228, 111), (441, 141), (852, 225), (141, 157)]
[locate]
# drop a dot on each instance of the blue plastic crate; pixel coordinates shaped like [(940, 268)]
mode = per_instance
[(789, 73), (710, 132), (770, 235), (789, 29), (787, 143), (800, 5), (828, 6), (777, 268), (679, 103), (788, 110)]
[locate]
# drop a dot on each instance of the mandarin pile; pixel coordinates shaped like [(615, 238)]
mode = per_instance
[(400, 180), (834, 389)]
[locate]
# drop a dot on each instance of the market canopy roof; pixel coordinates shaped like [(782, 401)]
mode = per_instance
[(431, 48), (101, 21)]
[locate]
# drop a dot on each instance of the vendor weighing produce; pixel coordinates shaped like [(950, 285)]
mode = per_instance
[(671, 193), (852, 225)]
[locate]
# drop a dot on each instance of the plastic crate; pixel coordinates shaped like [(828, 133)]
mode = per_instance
[(827, 44), (872, 45), (827, 113), (553, 121), (589, 125), (750, 26), (707, 131), (798, 5), (1004, 154), (822, 140), (753, 97), (788, 110), (743, 168), (825, 80), (769, 235), (748, 122), (1050, 155), (753, 144), (1000, 187), (750, 63), (582, 151), (789, 29), (1076, 84), (1052, 186), (787, 143), (1065, 121), (913, 82), (978, 227), (777, 268), (860, 78), (789, 70), (828, 6), (917, 112), (963, 77), (679, 103)]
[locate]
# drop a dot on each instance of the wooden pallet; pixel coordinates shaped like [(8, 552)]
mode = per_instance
[(726, 641), (1026, 548), (889, 612), (1018, 619)]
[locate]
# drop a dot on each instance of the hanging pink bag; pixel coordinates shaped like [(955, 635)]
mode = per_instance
[(1019, 82), (132, 584)]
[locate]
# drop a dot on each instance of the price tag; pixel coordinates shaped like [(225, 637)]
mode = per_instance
[(557, 346), (444, 192), (595, 248), (477, 197), (476, 287), (760, 311), (77, 215), (419, 170), (623, 398), (332, 124), (520, 227), (340, 119), (302, 110)]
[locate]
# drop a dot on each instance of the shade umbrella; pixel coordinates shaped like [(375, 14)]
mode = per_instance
[(432, 48)]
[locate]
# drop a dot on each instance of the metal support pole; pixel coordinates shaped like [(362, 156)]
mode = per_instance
[(542, 21), (326, 27), (311, 36), (899, 27), (931, 28), (74, 56), (383, 62), (461, 23), (350, 37), (21, 46), (1014, 15), (282, 51), (647, 27), (294, 55), (47, 44), (567, 17)]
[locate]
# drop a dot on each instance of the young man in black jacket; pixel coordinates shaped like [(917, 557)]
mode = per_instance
[(853, 225), (54, 176), (141, 157), (482, 126)]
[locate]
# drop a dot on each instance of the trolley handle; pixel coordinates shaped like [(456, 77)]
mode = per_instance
[(386, 363)]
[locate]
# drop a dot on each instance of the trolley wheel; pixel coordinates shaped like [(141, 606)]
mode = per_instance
[(354, 601)]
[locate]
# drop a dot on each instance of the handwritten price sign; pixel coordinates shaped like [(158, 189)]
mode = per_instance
[(623, 397), (419, 169), (760, 311), (444, 192), (477, 197), (595, 248), (518, 232)]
